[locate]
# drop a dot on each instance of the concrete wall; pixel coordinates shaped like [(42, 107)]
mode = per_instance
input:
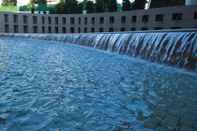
[(167, 18)]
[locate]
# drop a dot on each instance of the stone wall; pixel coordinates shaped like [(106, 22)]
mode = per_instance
[(152, 19)]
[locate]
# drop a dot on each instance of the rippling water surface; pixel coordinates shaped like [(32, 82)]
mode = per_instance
[(55, 86)]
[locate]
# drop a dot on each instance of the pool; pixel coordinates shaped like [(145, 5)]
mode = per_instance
[(53, 86)]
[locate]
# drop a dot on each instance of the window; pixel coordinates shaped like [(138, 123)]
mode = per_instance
[(158, 28), (111, 19), (133, 29), (134, 19), (64, 29), (49, 20), (43, 29), (85, 30), (56, 20), (6, 18), (175, 27), (49, 29), (159, 18), (64, 20), (123, 19), (101, 20), (25, 29), (101, 29), (195, 15), (24, 19), (15, 17), (92, 30), (93, 20), (35, 20), (79, 30), (79, 20), (72, 30), (15, 28), (144, 28), (35, 29), (7, 28), (72, 20), (122, 29), (177, 16), (145, 18), (85, 20), (111, 29), (43, 20), (56, 30)]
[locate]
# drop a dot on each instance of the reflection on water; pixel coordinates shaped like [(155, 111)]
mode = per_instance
[(52, 86)]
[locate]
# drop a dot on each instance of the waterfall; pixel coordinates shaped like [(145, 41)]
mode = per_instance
[(172, 48)]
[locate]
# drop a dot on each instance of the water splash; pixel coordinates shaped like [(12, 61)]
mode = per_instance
[(172, 48)]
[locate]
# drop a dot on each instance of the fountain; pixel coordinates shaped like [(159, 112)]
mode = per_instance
[(172, 48), (49, 83)]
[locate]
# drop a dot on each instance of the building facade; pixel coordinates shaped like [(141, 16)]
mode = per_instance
[(152, 19)]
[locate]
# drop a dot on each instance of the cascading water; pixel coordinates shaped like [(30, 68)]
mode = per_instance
[(47, 85), (174, 48)]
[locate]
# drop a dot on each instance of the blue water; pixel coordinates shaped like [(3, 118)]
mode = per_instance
[(54, 86)]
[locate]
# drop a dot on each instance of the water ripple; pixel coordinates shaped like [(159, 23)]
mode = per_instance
[(50, 86)]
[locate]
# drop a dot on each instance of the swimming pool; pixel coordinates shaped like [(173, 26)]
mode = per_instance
[(46, 85)]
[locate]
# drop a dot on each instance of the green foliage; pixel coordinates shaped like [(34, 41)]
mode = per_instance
[(112, 5), (8, 8), (139, 4), (126, 5), (42, 2), (106, 5), (100, 5), (166, 3), (42, 5), (25, 8), (59, 8), (71, 6), (9, 2), (159, 3), (67, 7), (90, 7)]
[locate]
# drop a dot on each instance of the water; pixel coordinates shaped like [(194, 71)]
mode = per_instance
[(52, 86), (172, 48)]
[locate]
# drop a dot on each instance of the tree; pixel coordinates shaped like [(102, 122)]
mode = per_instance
[(9, 2), (90, 7), (159, 3), (71, 6), (32, 6), (166, 3), (87, 5), (67, 6), (100, 5), (106, 5), (42, 5), (59, 8), (44, 2), (139, 4), (112, 5), (126, 5)]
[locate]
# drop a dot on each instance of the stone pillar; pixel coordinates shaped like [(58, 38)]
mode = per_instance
[(190, 2)]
